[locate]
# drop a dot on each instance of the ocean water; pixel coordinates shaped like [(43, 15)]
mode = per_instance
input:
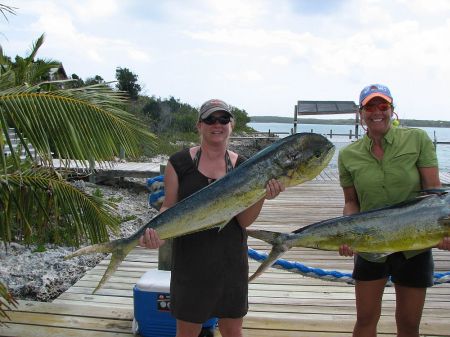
[(440, 134)]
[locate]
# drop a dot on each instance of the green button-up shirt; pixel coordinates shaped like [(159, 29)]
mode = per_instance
[(394, 178)]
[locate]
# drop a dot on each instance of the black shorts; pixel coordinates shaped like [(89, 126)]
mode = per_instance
[(417, 271)]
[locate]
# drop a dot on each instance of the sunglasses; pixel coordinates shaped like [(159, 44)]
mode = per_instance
[(380, 106), (210, 120)]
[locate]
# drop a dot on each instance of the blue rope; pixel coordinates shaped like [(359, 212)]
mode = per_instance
[(156, 199), (155, 183), (155, 179), (329, 275), (157, 192)]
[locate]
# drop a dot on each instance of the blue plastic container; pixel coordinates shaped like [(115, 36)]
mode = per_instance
[(152, 316)]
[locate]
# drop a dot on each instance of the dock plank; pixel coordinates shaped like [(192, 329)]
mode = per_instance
[(112, 169)]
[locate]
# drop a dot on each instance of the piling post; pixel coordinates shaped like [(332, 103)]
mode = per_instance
[(92, 171), (434, 140), (165, 251)]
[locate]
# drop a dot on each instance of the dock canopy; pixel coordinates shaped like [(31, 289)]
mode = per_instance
[(326, 108)]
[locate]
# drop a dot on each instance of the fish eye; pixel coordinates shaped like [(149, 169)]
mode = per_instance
[(317, 154)]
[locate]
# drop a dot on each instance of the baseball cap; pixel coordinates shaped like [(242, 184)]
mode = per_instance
[(375, 90), (213, 105)]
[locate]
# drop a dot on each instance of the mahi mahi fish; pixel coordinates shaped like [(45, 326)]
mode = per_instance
[(292, 160), (415, 224)]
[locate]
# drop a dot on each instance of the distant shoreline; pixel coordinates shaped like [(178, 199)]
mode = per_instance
[(349, 121)]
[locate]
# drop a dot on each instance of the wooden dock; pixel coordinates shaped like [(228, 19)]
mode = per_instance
[(111, 169), (281, 303), (445, 178)]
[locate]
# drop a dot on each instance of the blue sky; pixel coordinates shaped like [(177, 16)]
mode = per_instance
[(258, 55)]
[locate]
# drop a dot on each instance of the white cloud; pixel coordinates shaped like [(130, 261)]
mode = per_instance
[(421, 7), (91, 11), (248, 76), (280, 60), (138, 55)]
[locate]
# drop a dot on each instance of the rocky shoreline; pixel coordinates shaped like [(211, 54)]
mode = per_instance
[(43, 276)]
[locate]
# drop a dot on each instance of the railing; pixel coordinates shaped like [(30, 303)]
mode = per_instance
[(276, 134), (435, 142), (350, 135)]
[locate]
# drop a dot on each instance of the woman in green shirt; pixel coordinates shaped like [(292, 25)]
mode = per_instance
[(388, 165)]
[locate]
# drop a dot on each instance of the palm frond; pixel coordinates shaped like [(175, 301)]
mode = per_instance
[(7, 9), (7, 75), (7, 78), (38, 202), (35, 48), (5, 304), (84, 124)]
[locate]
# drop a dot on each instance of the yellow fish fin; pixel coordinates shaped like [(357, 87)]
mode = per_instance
[(222, 224)]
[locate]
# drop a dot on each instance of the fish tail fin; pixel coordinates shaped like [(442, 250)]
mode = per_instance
[(278, 248), (97, 248), (117, 256), (119, 249), (267, 236), (221, 225)]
